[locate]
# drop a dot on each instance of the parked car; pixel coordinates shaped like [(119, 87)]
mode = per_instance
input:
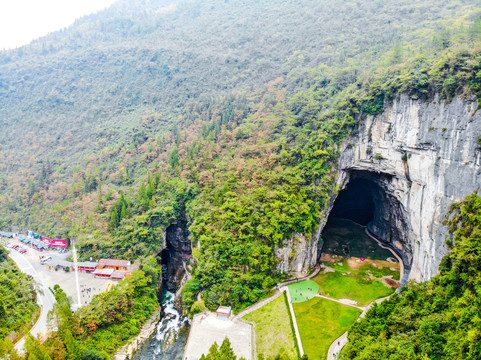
[(44, 259)]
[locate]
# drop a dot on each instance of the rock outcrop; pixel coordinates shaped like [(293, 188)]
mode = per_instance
[(176, 254), (420, 157)]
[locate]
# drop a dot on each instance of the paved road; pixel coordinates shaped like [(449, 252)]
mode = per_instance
[(45, 298)]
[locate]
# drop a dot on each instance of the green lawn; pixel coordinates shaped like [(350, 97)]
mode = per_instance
[(303, 291), (354, 286), (274, 333), (320, 322)]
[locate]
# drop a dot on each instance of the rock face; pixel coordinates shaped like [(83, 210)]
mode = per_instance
[(298, 254), (176, 254), (417, 158)]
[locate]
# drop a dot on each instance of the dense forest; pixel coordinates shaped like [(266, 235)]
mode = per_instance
[(18, 306), (434, 320), (229, 113)]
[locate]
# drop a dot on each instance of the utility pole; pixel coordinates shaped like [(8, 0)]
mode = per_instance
[(74, 254)]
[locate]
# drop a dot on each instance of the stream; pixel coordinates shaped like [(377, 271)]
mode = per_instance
[(158, 347)]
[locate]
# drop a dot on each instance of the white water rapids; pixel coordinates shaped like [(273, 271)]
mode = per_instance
[(169, 326)]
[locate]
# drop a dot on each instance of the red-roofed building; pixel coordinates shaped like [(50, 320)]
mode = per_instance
[(113, 264)]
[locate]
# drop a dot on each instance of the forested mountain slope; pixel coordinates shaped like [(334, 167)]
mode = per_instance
[(87, 88), (229, 114)]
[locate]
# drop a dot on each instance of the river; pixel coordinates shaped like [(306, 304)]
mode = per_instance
[(172, 321)]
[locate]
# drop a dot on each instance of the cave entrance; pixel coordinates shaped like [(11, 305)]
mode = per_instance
[(361, 206), (357, 239)]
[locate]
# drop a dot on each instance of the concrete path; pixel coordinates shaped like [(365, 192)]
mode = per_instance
[(309, 277), (341, 341), (294, 321), (261, 303), (336, 347), (403, 275)]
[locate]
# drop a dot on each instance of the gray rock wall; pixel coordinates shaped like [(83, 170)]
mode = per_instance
[(178, 246), (426, 156)]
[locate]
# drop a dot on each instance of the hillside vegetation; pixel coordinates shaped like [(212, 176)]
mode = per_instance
[(230, 112), (18, 306), (438, 319)]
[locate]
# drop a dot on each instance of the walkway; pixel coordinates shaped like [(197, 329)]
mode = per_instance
[(402, 272), (294, 323), (341, 341), (337, 344), (309, 277), (336, 347), (261, 303)]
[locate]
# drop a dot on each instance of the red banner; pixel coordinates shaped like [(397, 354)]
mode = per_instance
[(58, 243), (55, 243)]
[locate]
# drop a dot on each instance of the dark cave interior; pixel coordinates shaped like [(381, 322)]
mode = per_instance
[(355, 202)]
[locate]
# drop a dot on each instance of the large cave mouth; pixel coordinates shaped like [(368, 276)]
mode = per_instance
[(364, 208)]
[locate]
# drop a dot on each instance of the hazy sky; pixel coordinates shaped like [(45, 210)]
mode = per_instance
[(21, 21)]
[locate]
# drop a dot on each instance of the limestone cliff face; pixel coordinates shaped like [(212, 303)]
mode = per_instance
[(420, 157), (176, 253), (298, 254)]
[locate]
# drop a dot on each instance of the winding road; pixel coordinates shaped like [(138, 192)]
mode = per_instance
[(45, 298)]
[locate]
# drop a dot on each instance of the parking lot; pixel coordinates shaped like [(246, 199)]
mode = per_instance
[(89, 285)]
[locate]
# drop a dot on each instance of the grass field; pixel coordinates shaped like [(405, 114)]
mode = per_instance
[(303, 291), (354, 287), (320, 322), (274, 333)]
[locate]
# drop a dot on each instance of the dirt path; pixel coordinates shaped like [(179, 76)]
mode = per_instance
[(347, 302)]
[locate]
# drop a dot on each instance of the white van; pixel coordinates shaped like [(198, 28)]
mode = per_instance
[(44, 259)]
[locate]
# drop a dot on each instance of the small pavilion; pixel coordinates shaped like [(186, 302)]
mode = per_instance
[(224, 312)]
